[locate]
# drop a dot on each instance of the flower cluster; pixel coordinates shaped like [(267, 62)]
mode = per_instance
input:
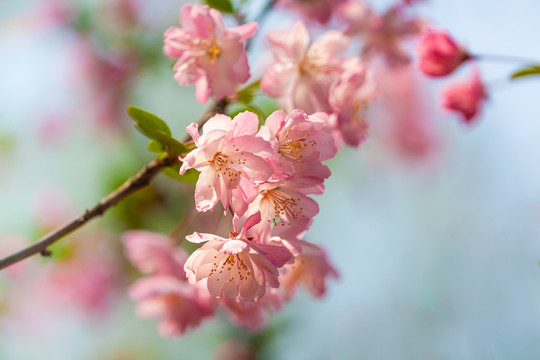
[(313, 77), (264, 176), (264, 172)]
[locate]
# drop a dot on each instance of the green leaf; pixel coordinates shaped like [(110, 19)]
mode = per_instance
[(224, 6), (156, 129), (527, 71), (172, 145), (191, 176), (247, 94), (156, 147), (147, 123)]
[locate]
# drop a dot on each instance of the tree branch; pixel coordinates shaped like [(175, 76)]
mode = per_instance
[(133, 184)]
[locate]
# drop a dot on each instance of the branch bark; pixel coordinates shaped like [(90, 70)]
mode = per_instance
[(133, 184)]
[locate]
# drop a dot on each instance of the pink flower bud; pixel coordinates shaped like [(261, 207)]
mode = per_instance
[(439, 54), (465, 97)]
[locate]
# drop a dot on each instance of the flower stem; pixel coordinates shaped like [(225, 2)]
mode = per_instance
[(505, 58)]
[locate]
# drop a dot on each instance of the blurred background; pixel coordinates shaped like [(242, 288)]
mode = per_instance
[(432, 225)]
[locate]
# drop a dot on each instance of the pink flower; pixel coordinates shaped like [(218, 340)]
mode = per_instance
[(383, 34), (281, 206), (350, 96), (357, 16), (439, 53), (176, 303), (405, 124), (301, 141), (253, 315), (209, 55), (319, 10), (166, 294), (153, 253), (88, 282), (310, 267), (234, 268), (466, 97), (227, 155), (303, 72)]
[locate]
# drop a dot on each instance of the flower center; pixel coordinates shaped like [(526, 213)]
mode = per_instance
[(212, 50), (223, 168), (294, 149), (285, 207), (230, 265)]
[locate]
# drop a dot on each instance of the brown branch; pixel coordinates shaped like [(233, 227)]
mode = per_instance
[(133, 184)]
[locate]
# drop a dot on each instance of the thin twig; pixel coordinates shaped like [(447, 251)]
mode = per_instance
[(133, 184)]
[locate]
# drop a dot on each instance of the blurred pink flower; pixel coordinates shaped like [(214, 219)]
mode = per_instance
[(350, 96), (53, 208), (177, 304), (233, 268), (303, 72), (406, 122), (227, 152), (208, 54), (110, 76), (310, 267), (319, 10), (357, 16), (86, 281), (252, 315), (166, 294), (383, 34), (439, 54), (465, 97), (153, 253)]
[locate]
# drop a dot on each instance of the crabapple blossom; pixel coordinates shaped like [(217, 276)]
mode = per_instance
[(153, 253), (382, 33), (349, 97), (304, 71), (176, 303), (301, 142), (282, 206), (234, 268), (465, 97), (405, 125), (252, 315), (230, 158), (207, 53), (165, 294), (310, 267), (357, 15), (319, 10), (439, 54)]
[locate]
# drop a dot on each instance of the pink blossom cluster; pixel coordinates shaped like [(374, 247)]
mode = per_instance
[(264, 171), (265, 176), (312, 76)]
